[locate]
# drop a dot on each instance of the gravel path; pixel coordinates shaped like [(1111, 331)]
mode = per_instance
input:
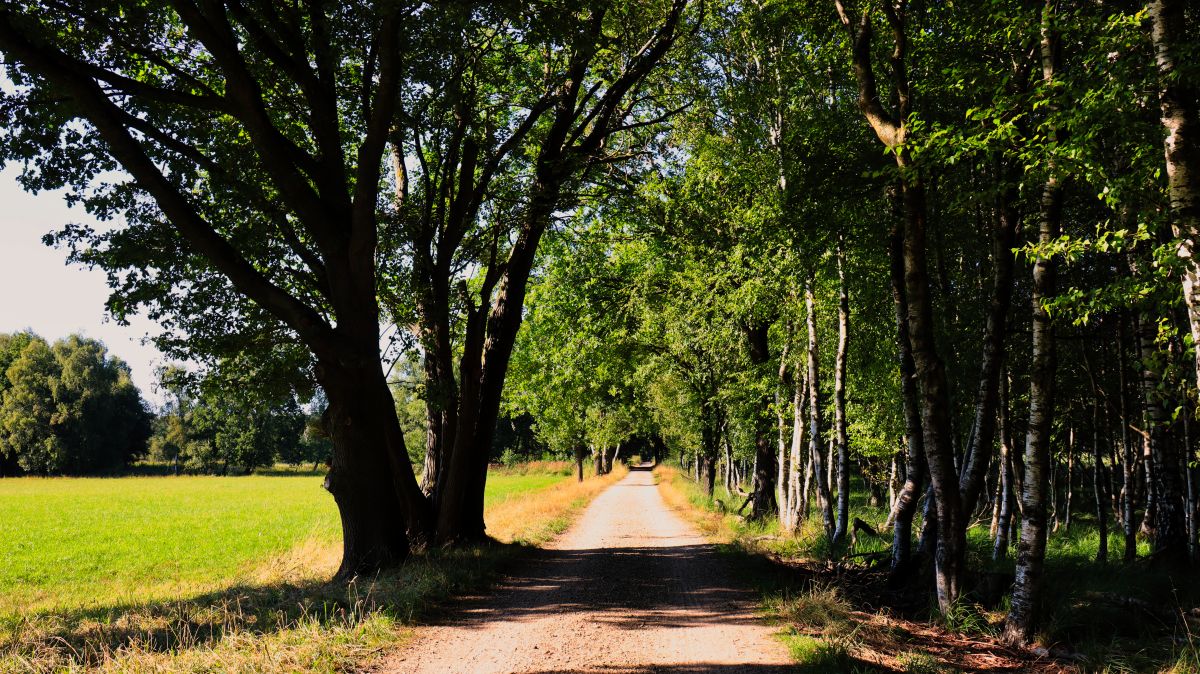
[(630, 588)]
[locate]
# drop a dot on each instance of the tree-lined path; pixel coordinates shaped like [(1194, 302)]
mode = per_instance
[(630, 587)]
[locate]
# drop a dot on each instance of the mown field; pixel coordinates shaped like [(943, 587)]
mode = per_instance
[(187, 573)]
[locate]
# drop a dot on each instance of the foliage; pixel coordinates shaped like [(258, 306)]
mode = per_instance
[(68, 407), (214, 421)]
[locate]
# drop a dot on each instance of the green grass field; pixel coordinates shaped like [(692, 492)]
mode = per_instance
[(89, 542)]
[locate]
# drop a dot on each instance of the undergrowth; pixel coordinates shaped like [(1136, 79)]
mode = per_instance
[(1102, 617)]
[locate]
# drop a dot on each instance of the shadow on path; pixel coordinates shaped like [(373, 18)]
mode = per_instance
[(631, 587)]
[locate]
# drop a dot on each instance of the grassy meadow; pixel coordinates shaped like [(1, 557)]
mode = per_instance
[(227, 573), (73, 542)]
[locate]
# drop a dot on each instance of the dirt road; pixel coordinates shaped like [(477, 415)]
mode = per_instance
[(630, 588)]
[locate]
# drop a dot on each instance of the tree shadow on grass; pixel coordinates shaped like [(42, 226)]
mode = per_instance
[(88, 636), (631, 587)]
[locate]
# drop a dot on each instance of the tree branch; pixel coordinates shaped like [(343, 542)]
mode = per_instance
[(109, 121), (889, 130)]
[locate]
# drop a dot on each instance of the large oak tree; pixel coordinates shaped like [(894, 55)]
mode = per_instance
[(274, 169)]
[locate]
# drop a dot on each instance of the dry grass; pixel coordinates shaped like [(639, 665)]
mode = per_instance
[(533, 521), (712, 523), (534, 468), (282, 615)]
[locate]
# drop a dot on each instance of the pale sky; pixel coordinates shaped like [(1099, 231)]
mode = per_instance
[(39, 290)]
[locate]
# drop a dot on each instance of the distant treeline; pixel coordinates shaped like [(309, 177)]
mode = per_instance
[(212, 425), (71, 408), (67, 407)]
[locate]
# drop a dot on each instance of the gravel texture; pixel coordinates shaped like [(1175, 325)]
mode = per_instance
[(630, 587)]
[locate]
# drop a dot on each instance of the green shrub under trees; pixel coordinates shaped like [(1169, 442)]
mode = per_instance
[(67, 407)]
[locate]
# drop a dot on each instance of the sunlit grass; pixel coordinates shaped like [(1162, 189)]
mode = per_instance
[(71, 542), (239, 601)]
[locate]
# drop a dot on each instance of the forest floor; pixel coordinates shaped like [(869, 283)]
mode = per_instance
[(631, 587)]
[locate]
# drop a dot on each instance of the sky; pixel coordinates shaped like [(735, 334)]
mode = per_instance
[(39, 290)]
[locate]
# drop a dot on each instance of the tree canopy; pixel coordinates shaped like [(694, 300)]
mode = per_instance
[(806, 246)]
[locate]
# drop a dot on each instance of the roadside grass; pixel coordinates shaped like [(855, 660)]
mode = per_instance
[(813, 593), (273, 612), (1099, 617)]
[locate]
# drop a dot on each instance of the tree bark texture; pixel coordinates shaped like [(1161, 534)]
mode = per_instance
[(905, 506), (816, 448), (1006, 494), (1031, 551), (797, 485), (839, 400), (1178, 108), (1165, 502), (983, 429), (380, 510)]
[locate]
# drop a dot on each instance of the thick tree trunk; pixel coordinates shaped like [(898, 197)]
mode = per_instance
[(1031, 551), (950, 552), (580, 453), (763, 503), (611, 457), (1146, 482), (709, 441), (381, 506), (839, 401), (1032, 548), (1180, 113), (816, 448), (441, 394), (491, 332), (709, 476)]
